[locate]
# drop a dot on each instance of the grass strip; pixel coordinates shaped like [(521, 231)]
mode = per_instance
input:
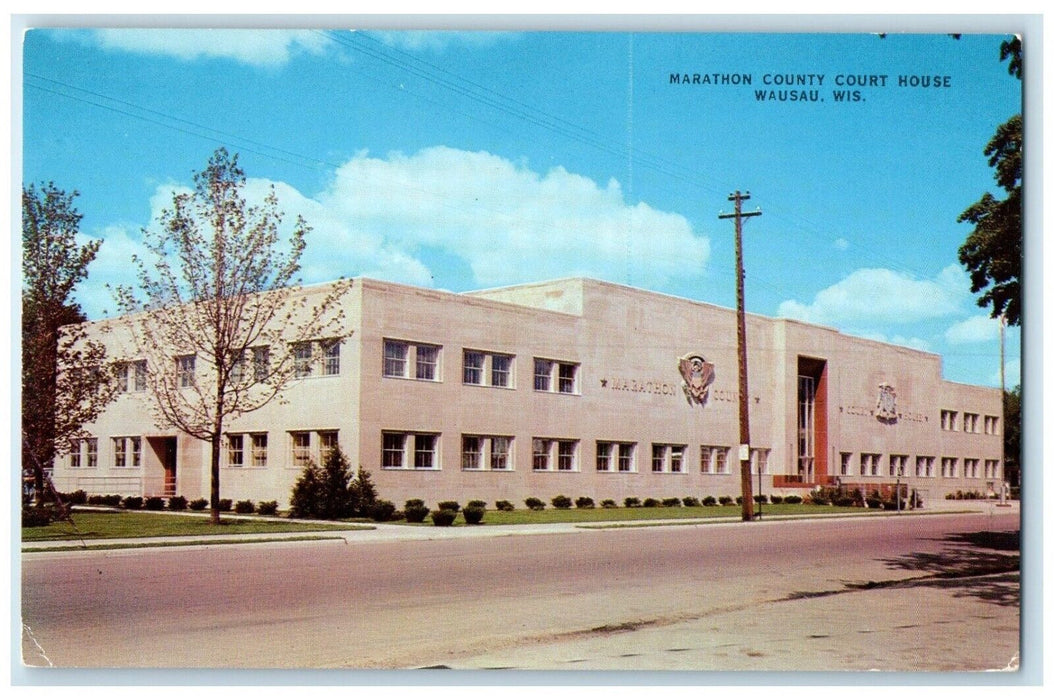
[(178, 543)]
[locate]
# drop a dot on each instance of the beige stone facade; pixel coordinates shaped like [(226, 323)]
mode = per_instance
[(568, 387)]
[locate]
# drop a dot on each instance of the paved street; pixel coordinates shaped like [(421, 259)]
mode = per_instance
[(907, 593)]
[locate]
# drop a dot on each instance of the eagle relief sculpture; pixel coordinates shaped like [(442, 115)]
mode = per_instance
[(886, 409), (698, 375)]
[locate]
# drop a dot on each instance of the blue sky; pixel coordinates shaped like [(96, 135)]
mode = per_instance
[(474, 159)]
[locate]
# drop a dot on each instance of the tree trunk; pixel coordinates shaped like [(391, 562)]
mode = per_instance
[(215, 472)]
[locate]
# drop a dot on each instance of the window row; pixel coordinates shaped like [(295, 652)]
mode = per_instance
[(423, 361), (970, 423), (420, 450), (870, 464), (304, 447), (310, 359)]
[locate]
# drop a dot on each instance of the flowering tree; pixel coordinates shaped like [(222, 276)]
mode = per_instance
[(219, 317)]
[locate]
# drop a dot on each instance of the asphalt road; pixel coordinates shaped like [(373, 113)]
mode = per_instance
[(543, 601)]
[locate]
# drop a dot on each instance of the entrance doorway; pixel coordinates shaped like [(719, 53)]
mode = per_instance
[(168, 463), (812, 420)]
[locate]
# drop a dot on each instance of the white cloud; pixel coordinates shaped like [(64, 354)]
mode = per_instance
[(439, 41), (878, 295), (897, 339), (261, 47), (112, 266), (976, 329), (1013, 374), (507, 222)]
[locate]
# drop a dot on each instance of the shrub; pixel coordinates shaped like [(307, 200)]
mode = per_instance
[(846, 501), (244, 507), (562, 502), (37, 516), (267, 507), (77, 498), (450, 505), (709, 501), (100, 500), (363, 493), (382, 511), (631, 502), (474, 514), (792, 499), (477, 504), (325, 492), (724, 500), (198, 504), (691, 502), (504, 505), (132, 502), (444, 517), (775, 499), (534, 503), (154, 503), (671, 502), (739, 500), (177, 503), (225, 505), (761, 499), (608, 503), (95, 500), (416, 511), (584, 502), (819, 498)]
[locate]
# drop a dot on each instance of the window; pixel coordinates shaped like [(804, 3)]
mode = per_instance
[(235, 451), (991, 425), (949, 420), (427, 362), (127, 452), (92, 449), (542, 451), (759, 460), (949, 466), (667, 458), (500, 451), (395, 358), (327, 443), (603, 456), (302, 360), (847, 461), (237, 374), (398, 360), (991, 468), (713, 460), (898, 465), (139, 375), (261, 363), (471, 452), (75, 454), (565, 455), (487, 369), (543, 373), (869, 464), (130, 376), (626, 452), (259, 449), (301, 448), (485, 452), (971, 423), (557, 377), (501, 370), (185, 370), (120, 375), (330, 358), (395, 449), (970, 470), (425, 452), (924, 466), (474, 367)]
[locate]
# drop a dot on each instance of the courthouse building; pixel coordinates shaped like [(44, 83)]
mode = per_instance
[(573, 387)]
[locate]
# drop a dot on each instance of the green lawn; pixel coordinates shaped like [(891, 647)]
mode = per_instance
[(522, 516), (102, 525)]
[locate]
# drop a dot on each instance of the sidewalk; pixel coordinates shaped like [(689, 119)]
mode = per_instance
[(387, 532)]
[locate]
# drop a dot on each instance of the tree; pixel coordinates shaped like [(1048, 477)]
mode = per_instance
[(992, 252), (65, 384), (324, 492), (219, 317), (1012, 436)]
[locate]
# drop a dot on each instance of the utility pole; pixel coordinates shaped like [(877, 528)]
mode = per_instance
[(741, 342)]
